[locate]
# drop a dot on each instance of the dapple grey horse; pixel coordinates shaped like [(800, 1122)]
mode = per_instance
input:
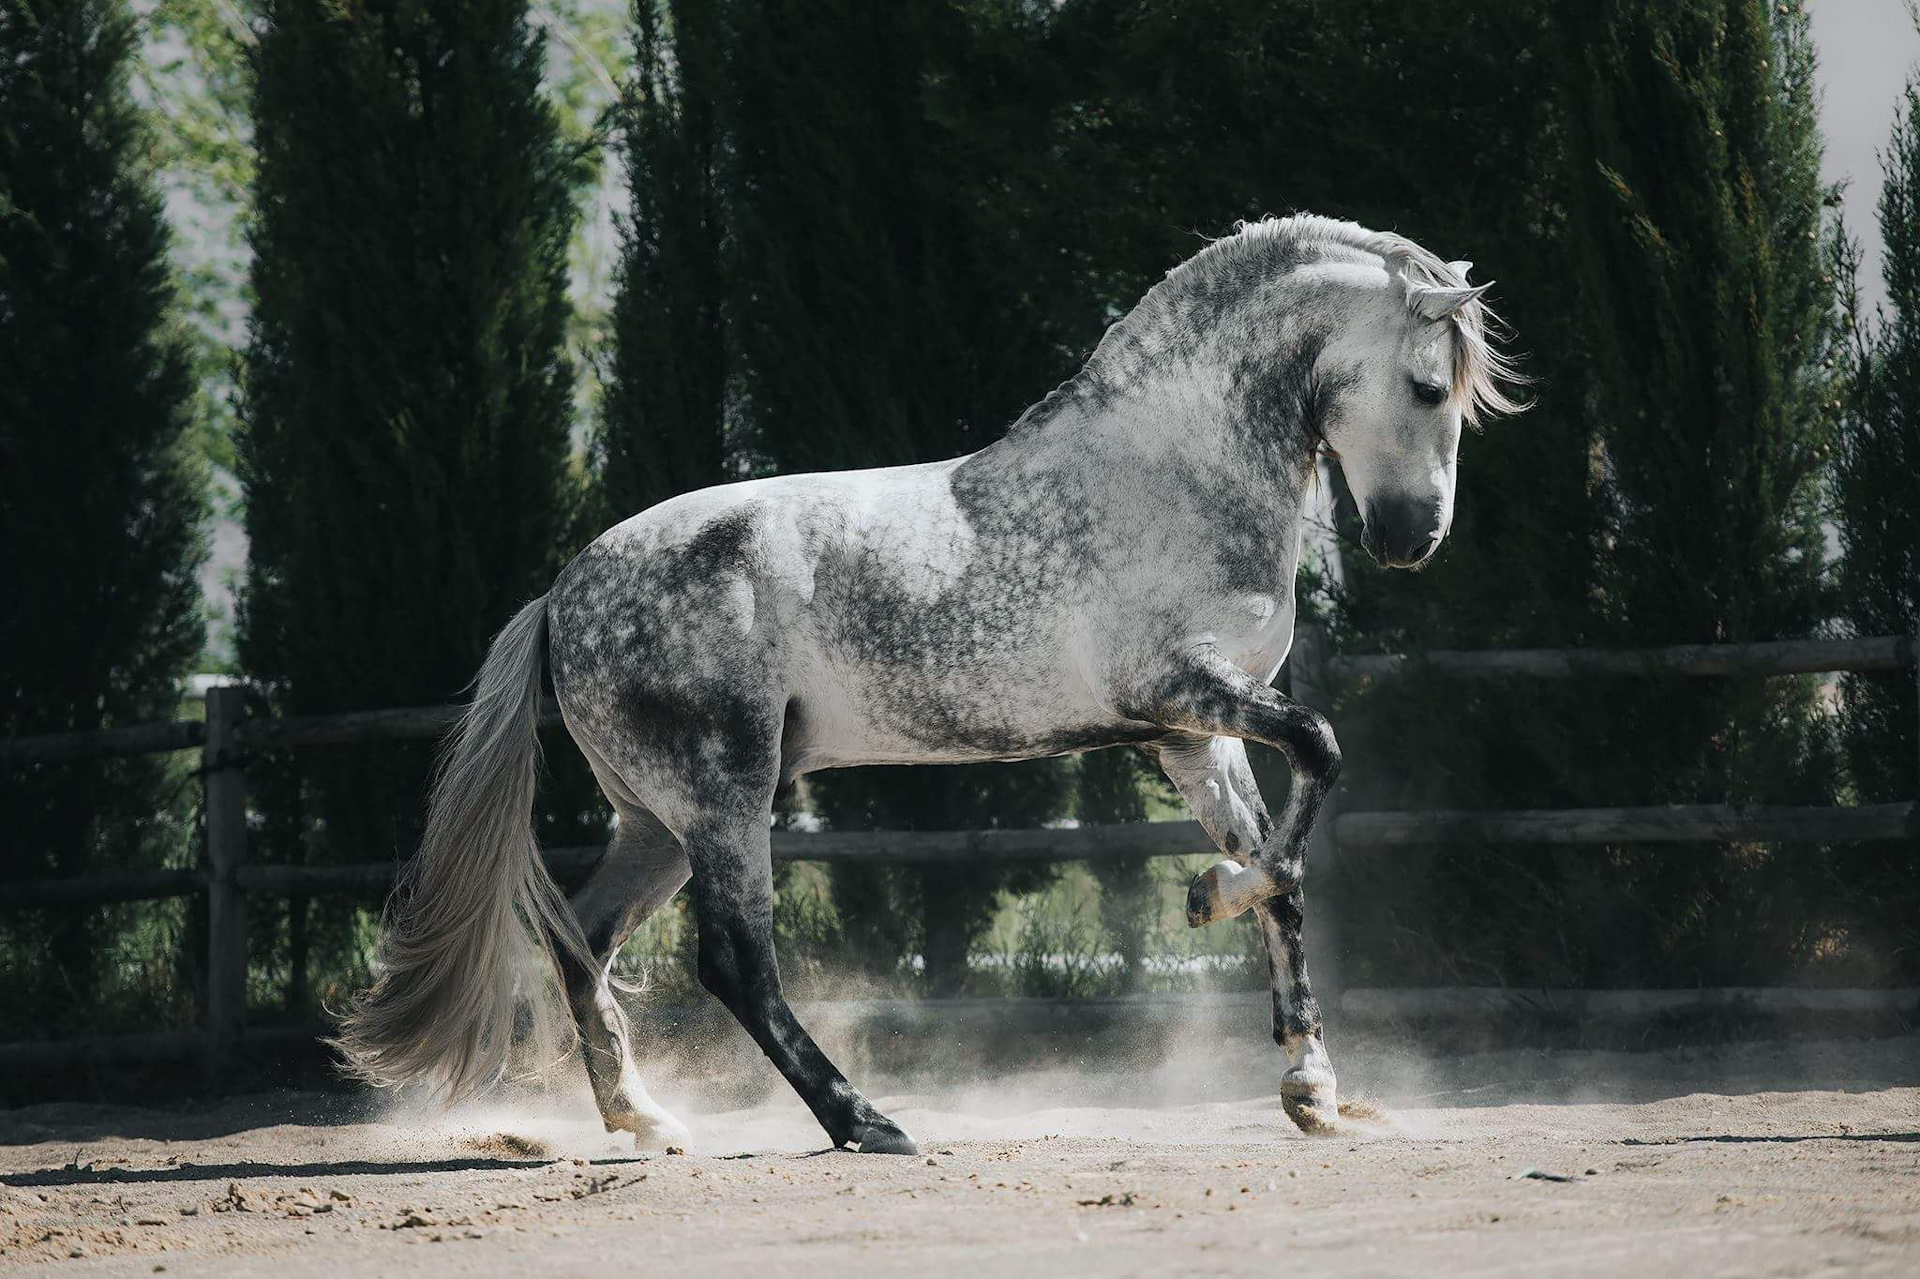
[(1117, 569)]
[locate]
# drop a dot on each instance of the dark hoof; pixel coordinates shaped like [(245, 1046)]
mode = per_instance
[(883, 1137), (1199, 902)]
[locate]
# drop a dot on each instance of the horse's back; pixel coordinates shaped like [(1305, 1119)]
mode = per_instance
[(732, 564), (875, 613)]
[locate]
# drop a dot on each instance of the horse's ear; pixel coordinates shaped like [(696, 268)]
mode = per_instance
[(1460, 269), (1432, 302)]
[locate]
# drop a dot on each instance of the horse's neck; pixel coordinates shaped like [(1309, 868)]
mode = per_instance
[(1179, 436), (1188, 412)]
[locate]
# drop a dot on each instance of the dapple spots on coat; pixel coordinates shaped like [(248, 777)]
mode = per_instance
[(659, 660)]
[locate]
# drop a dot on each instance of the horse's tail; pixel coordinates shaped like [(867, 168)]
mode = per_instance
[(441, 1008)]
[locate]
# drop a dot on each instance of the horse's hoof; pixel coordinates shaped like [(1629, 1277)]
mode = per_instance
[(1310, 1116), (1226, 889), (1309, 1100), (883, 1137), (654, 1129)]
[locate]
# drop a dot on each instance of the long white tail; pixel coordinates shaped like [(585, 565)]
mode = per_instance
[(441, 1008)]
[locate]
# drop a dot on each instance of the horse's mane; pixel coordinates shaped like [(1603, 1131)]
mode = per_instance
[(1480, 365)]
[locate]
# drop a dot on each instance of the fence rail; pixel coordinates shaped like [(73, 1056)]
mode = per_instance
[(1674, 824), (1878, 653), (228, 736)]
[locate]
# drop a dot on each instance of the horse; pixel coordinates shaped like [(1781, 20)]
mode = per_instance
[(1116, 570)]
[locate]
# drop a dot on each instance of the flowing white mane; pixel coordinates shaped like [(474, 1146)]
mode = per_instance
[(1481, 369)]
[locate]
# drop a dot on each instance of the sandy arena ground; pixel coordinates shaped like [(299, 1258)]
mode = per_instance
[(1768, 1159)]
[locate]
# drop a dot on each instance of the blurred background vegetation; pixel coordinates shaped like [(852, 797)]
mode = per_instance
[(394, 304)]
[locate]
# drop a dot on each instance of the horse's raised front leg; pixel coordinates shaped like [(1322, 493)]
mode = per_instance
[(642, 870), (1213, 776), (1202, 693)]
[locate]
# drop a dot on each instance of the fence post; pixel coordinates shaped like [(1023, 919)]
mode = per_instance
[(226, 805)]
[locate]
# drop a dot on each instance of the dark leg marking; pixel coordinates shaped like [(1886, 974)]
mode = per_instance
[(1206, 694), (1307, 1090), (1213, 776), (733, 896)]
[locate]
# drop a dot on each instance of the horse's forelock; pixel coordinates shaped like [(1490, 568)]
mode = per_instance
[(1482, 367)]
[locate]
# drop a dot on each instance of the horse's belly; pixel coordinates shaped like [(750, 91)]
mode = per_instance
[(920, 714)]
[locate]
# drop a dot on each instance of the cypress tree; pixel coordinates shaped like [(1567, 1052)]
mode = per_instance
[(100, 500), (1877, 487), (407, 396), (663, 427), (1710, 309), (1708, 316), (893, 309)]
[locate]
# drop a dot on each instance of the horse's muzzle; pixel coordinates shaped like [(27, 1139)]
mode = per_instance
[(1402, 532)]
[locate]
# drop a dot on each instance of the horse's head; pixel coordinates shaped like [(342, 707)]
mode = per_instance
[(1408, 364)]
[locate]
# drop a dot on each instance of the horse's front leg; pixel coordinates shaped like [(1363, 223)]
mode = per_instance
[(1308, 1089), (1200, 693), (1212, 775)]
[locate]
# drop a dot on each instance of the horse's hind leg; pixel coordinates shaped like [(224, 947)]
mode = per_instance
[(642, 870), (733, 896)]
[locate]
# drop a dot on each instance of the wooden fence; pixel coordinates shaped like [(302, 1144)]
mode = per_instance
[(229, 735), (1666, 823)]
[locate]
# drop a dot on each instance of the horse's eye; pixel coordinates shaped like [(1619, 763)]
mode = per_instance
[(1429, 392)]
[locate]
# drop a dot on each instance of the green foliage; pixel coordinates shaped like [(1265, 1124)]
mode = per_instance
[(1443, 122), (1693, 401), (872, 235), (1877, 495), (1698, 243), (929, 212), (1641, 179), (193, 76), (587, 62), (100, 509), (407, 401), (1709, 321), (1114, 786)]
